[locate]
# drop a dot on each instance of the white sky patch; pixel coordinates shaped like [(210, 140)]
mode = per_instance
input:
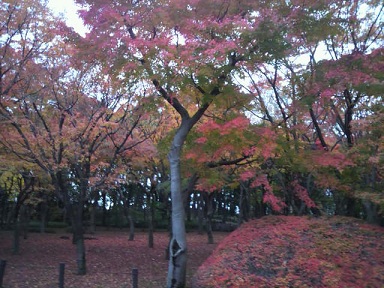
[(68, 9)]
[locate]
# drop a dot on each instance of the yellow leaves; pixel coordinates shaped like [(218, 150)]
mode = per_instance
[(374, 197), (11, 182)]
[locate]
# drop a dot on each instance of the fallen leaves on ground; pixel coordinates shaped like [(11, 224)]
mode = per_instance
[(278, 251), (110, 259)]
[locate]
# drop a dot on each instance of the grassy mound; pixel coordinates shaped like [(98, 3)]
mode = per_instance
[(278, 251)]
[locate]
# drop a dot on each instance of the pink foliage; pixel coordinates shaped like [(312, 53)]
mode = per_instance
[(246, 175), (261, 180), (302, 194), (332, 159), (240, 122), (249, 151), (208, 126), (268, 197), (267, 142), (201, 140), (224, 149), (328, 93), (276, 203), (226, 128)]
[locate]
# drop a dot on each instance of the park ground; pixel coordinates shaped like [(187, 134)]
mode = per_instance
[(110, 259), (274, 251), (297, 252)]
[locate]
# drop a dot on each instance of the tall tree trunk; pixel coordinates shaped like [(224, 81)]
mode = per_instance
[(16, 237), (17, 228), (24, 218), (128, 216), (78, 238), (209, 203), (131, 228), (151, 216), (104, 217), (43, 215), (200, 213), (92, 221), (372, 212), (178, 245), (188, 207), (241, 211)]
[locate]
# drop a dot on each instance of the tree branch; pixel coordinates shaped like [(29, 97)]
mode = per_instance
[(171, 100), (225, 162)]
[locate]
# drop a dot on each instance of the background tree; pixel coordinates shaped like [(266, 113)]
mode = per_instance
[(244, 87), (61, 117), (192, 53), (18, 183)]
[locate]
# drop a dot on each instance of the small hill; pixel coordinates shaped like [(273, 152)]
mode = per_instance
[(289, 251)]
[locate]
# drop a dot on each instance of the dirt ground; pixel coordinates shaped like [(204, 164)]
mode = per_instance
[(110, 259)]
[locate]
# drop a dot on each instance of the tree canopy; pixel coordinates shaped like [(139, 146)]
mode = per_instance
[(279, 102)]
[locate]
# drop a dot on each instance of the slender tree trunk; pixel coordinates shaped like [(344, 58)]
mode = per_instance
[(104, 217), (43, 215), (25, 216), (93, 218), (209, 203), (241, 211), (16, 237), (16, 229), (131, 228), (371, 212), (188, 207), (150, 219), (200, 213), (178, 244), (78, 238), (128, 216)]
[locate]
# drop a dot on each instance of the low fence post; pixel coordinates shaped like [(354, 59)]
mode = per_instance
[(135, 278), (61, 275), (3, 263)]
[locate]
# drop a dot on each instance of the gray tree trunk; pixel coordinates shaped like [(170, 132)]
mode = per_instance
[(92, 222), (208, 225), (178, 244), (43, 215), (200, 213), (151, 214), (78, 238), (16, 238), (131, 228), (128, 216)]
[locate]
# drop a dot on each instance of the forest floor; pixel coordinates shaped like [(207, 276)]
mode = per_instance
[(274, 251), (110, 259), (278, 251)]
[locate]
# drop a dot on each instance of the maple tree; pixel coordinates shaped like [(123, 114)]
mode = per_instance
[(175, 73), (23, 41), (59, 112), (18, 185), (237, 94), (192, 53), (349, 85), (303, 101)]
